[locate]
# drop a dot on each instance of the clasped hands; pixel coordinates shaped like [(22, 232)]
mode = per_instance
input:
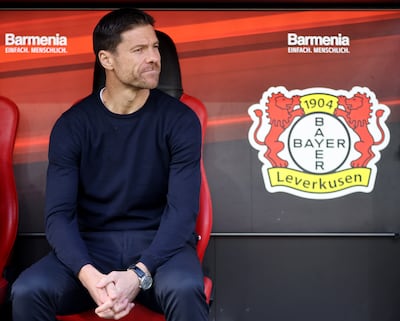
[(114, 292)]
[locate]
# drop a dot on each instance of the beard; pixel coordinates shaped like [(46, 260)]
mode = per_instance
[(148, 80)]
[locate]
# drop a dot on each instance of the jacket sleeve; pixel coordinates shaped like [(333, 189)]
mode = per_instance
[(178, 220), (61, 221)]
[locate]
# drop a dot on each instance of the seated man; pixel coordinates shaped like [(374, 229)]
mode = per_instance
[(122, 193)]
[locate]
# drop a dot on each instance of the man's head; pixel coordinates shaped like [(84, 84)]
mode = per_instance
[(126, 46)]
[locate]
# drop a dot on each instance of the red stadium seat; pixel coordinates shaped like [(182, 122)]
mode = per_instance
[(9, 117)]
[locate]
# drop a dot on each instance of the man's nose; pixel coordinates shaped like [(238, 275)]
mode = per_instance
[(153, 55)]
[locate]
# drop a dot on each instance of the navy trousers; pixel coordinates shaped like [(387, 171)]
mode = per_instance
[(48, 288)]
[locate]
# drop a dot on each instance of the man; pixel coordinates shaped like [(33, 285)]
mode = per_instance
[(122, 193)]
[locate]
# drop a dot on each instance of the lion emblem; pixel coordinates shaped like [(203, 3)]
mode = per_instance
[(356, 112), (281, 112)]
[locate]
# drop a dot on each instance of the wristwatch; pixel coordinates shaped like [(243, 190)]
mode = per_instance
[(145, 280)]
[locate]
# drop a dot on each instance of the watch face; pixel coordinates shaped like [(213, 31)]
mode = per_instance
[(146, 283)]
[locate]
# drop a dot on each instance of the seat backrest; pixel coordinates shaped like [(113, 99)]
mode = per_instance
[(171, 83), (205, 216), (9, 118)]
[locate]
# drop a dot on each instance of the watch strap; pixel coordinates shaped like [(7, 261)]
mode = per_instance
[(145, 280)]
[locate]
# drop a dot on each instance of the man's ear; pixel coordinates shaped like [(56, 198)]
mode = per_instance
[(105, 59)]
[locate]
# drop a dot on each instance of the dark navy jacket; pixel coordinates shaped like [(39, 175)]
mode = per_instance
[(111, 172)]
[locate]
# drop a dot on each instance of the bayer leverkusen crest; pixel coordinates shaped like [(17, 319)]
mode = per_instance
[(319, 143)]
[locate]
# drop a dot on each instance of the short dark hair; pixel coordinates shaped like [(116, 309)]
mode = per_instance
[(107, 33)]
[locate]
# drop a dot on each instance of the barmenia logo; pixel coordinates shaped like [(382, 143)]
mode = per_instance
[(337, 44), (35, 43)]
